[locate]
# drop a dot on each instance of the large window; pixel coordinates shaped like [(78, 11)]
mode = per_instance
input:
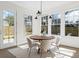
[(44, 24), (72, 23), (55, 23), (28, 25)]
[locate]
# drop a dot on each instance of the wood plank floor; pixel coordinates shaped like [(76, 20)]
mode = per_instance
[(22, 52), (6, 54)]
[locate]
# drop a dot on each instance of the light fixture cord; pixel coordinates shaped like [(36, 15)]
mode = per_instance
[(41, 7)]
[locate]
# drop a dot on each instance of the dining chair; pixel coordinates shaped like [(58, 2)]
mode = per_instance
[(55, 46), (32, 44), (45, 44), (48, 46), (69, 34)]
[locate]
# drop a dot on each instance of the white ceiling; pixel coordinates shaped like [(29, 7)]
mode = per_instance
[(46, 5), (27, 4)]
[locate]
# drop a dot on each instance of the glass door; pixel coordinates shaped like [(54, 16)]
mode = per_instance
[(9, 28)]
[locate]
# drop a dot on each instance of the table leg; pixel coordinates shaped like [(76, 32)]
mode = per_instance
[(41, 48), (38, 50)]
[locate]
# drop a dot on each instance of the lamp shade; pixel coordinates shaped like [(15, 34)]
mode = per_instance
[(50, 17), (38, 12), (36, 17)]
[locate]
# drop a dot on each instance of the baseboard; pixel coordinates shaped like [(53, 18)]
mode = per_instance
[(9, 47), (68, 46), (21, 44)]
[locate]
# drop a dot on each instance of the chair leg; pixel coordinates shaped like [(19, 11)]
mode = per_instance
[(58, 49), (48, 51), (40, 53), (29, 52)]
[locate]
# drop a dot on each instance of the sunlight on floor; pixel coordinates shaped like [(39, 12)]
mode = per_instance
[(23, 46), (66, 51)]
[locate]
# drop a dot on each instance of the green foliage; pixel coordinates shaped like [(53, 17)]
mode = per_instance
[(10, 20)]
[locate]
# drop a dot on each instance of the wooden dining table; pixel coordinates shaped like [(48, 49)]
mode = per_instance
[(40, 38)]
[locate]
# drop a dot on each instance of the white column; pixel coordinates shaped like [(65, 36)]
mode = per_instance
[(49, 26), (36, 25), (1, 36), (62, 27)]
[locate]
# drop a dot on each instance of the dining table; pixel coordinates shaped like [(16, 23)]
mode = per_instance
[(40, 38)]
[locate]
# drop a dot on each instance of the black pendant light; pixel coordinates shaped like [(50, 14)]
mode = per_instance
[(50, 17), (39, 12), (36, 17)]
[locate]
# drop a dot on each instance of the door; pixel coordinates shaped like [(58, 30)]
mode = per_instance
[(9, 28)]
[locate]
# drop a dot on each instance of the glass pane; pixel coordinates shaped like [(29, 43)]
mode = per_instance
[(28, 25), (55, 29), (55, 24), (8, 26), (44, 24), (72, 23)]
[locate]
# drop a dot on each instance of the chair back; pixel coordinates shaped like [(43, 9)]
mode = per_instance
[(69, 34), (29, 42), (46, 44), (57, 41)]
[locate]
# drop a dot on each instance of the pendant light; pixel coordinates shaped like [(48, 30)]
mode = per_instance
[(39, 12)]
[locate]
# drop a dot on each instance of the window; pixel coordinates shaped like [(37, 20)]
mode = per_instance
[(44, 24), (55, 23), (28, 25), (72, 23)]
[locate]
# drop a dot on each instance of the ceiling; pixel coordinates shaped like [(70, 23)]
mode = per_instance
[(27, 4), (36, 5)]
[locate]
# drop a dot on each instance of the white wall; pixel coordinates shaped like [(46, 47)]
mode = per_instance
[(20, 26), (0, 28)]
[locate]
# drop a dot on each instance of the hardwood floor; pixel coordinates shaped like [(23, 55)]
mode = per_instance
[(22, 52), (6, 54)]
